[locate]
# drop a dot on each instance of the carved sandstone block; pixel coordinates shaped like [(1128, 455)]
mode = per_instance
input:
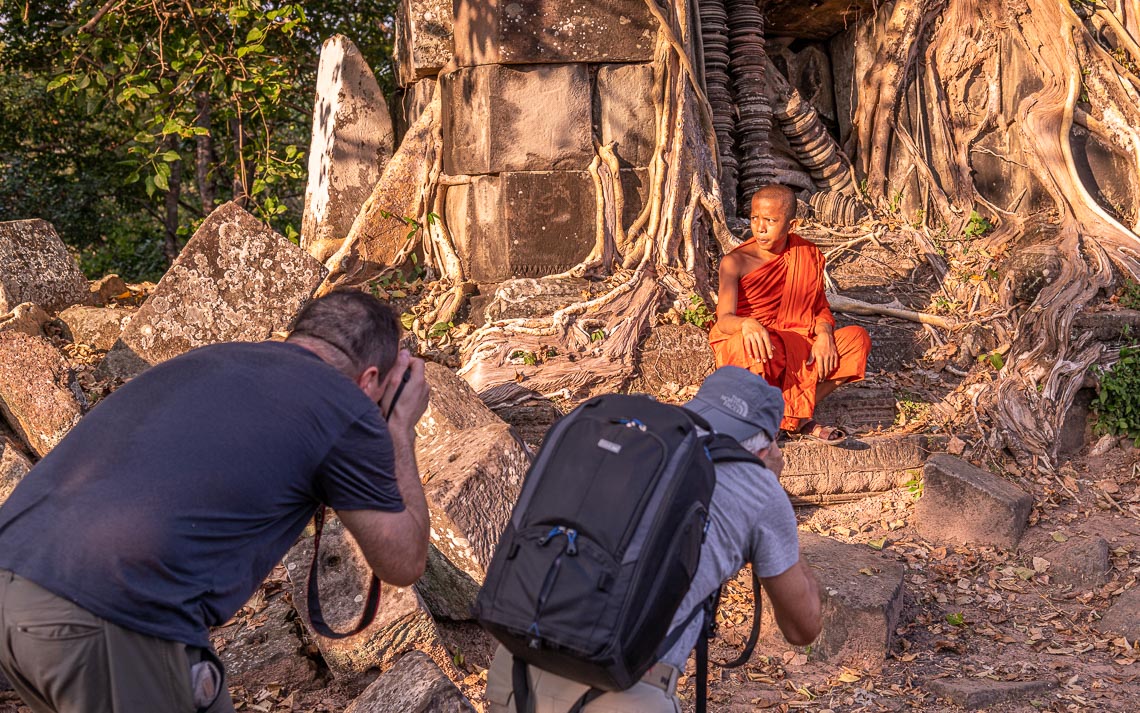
[(39, 396), (423, 39), (516, 118), (518, 32), (961, 504)]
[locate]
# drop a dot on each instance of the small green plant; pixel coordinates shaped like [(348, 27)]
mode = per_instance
[(896, 202), (1129, 294), (1117, 403), (956, 619), (699, 314), (978, 225), (597, 335), (910, 411), (994, 359), (919, 218), (440, 328), (914, 486)]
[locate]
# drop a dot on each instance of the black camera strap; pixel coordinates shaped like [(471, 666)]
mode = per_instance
[(316, 617)]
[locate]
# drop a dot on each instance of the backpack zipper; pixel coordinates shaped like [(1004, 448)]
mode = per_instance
[(571, 549)]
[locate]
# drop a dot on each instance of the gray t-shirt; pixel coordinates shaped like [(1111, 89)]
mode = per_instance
[(751, 521)]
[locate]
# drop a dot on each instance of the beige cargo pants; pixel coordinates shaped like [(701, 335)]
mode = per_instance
[(554, 694), (61, 658)]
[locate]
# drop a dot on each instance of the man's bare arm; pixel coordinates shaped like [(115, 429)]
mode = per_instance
[(395, 544), (794, 596)]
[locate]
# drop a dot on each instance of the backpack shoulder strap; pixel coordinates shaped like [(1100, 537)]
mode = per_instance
[(726, 449)]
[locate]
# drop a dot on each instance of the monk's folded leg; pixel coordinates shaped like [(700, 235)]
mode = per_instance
[(854, 345), (728, 350)]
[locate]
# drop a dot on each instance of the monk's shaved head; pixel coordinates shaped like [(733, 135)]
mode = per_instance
[(777, 192)]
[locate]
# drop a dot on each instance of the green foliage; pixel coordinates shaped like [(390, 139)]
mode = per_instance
[(914, 485), (699, 314), (440, 328), (1117, 403), (956, 619), (528, 358), (597, 335), (896, 202), (978, 225), (994, 359)]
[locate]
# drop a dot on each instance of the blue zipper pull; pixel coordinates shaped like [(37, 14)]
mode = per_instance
[(571, 542), (554, 532)]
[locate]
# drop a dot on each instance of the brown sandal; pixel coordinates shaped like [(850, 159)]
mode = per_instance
[(812, 430)]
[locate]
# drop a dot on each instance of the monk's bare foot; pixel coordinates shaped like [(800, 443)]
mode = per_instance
[(812, 430)]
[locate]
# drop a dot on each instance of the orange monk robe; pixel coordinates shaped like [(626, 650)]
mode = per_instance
[(786, 296)]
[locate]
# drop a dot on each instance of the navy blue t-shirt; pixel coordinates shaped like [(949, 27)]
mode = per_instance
[(166, 506)]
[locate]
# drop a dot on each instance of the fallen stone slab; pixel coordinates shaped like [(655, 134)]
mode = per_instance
[(36, 267), (672, 356), (351, 143), (107, 288), (39, 396), (522, 224), (1123, 617), (26, 317), (498, 118), (236, 280), (963, 504), (414, 685), (98, 327), (818, 473), (402, 621), (553, 31), (862, 598), (14, 465), (424, 39), (859, 408), (472, 479), (265, 647), (452, 406), (1080, 562), (974, 693)]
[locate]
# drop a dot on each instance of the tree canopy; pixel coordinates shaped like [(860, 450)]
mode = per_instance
[(137, 118)]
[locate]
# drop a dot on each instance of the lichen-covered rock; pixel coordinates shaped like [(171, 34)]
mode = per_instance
[(27, 318), (39, 395), (36, 267), (14, 465), (402, 621), (98, 327), (236, 280), (351, 143), (414, 685)]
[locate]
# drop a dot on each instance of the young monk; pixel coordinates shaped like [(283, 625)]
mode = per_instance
[(774, 320)]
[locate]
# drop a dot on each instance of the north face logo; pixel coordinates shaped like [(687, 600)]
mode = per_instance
[(735, 404)]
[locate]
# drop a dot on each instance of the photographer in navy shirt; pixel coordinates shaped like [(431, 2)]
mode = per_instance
[(162, 511)]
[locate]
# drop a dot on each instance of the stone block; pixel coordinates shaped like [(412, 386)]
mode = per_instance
[(107, 288), (414, 685), (27, 318), (820, 20), (1079, 562), (36, 267), (674, 355), (39, 396), (472, 479), (265, 647), (402, 622), (974, 693), (414, 100), (1123, 617), (236, 280), (453, 406), (515, 32), (817, 472), (859, 408), (98, 327), (351, 143), (500, 118), (964, 504), (624, 111), (859, 612), (14, 465), (522, 224), (423, 39)]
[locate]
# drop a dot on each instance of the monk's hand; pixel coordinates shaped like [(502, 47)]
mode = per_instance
[(824, 355), (757, 343)]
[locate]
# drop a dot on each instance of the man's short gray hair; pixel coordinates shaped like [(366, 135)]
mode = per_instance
[(757, 443)]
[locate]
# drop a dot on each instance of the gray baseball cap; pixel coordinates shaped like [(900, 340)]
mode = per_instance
[(738, 403)]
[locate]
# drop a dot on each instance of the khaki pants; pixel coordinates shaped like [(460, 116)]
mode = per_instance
[(554, 694), (61, 658)]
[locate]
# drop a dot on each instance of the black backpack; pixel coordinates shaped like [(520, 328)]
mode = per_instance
[(603, 543)]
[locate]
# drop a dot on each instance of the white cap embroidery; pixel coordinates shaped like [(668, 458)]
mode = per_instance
[(735, 404)]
